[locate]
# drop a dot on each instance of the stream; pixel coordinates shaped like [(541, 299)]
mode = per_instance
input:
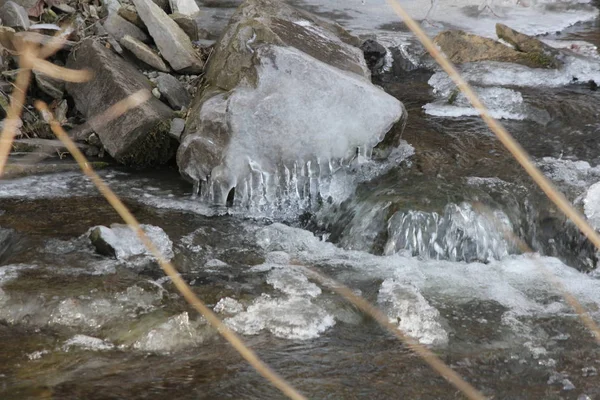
[(421, 234)]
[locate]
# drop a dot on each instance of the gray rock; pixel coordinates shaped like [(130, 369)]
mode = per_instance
[(187, 24), (282, 88), (144, 53), (118, 28), (138, 137), (177, 127), (112, 6), (52, 87), (100, 31), (26, 4), (174, 45), (14, 16), (130, 14), (214, 20), (184, 7), (173, 91)]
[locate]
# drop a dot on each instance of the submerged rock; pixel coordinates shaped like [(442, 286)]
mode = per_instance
[(140, 136), (288, 95), (461, 47)]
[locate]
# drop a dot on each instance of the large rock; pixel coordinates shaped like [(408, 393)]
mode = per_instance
[(174, 45), (461, 47), (140, 136), (287, 95)]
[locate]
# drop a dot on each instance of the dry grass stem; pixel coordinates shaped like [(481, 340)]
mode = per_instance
[(64, 74), (119, 108), (16, 105), (168, 268)]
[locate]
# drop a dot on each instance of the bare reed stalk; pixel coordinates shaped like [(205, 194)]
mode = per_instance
[(524, 247), (507, 140), (16, 104), (427, 355), (168, 268)]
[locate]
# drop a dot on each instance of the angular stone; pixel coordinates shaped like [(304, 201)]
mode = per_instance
[(527, 44), (177, 127), (118, 28), (52, 87), (140, 136), (130, 14), (14, 16), (144, 53), (461, 47), (174, 45), (184, 7), (187, 24), (284, 92), (173, 91)]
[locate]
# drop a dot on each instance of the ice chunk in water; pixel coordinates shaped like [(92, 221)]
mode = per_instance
[(127, 245), (407, 307), (87, 343), (176, 334), (502, 104), (292, 282), (291, 318), (592, 205), (227, 305)]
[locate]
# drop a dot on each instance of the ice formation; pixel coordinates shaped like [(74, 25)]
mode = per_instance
[(303, 122), (502, 103), (127, 245), (459, 234), (407, 307)]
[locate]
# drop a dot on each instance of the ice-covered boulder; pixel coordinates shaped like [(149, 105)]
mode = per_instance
[(288, 97)]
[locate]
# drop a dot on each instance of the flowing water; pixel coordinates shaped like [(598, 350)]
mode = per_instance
[(422, 235)]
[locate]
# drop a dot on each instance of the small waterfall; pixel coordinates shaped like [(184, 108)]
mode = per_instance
[(459, 234)]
